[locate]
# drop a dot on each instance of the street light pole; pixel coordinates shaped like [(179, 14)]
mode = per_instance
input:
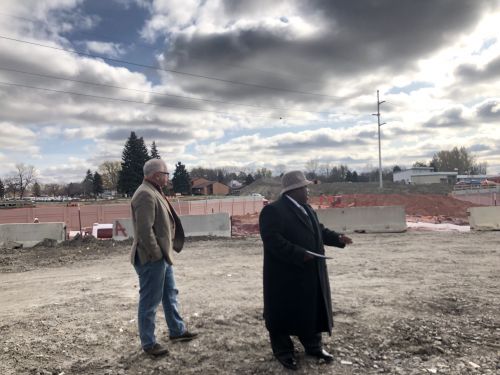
[(381, 185)]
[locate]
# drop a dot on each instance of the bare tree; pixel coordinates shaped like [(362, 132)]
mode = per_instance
[(457, 159), (263, 173), (11, 186), (110, 171), (280, 169), (25, 176), (324, 170), (52, 189), (311, 167)]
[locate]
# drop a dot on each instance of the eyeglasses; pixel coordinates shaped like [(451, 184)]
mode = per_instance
[(166, 173)]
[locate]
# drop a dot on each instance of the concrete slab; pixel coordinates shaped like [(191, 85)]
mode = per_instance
[(382, 219), (484, 218), (217, 225), (31, 234)]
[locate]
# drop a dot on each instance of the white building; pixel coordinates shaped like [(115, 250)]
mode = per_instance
[(424, 175), (405, 175)]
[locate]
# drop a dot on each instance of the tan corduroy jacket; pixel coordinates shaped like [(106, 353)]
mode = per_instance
[(157, 228)]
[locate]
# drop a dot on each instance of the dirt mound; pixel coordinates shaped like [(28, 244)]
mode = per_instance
[(244, 225), (415, 204)]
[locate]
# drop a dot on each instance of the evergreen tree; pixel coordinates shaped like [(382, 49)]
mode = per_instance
[(249, 179), (348, 176), (37, 190), (2, 190), (134, 155), (354, 176), (154, 151), (220, 175), (88, 184), (242, 176), (181, 180), (97, 186)]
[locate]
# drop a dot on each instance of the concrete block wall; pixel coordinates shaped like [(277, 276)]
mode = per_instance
[(364, 219), (31, 234), (484, 218), (218, 225)]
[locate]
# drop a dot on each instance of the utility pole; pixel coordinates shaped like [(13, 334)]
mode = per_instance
[(381, 185)]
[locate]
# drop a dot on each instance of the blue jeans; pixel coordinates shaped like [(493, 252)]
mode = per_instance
[(157, 284)]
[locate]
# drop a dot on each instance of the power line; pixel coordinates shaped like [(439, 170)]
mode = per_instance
[(167, 70), (162, 94), (19, 17), (145, 103), (119, 99)]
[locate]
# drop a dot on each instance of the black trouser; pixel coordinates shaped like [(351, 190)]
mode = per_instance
[(282, 344)]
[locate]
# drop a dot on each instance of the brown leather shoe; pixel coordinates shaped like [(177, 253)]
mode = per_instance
[(156, 350)]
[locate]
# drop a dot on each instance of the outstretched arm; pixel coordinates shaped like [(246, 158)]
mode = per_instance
[(332, 238)]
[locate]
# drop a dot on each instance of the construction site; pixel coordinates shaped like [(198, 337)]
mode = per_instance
[(418, 294)]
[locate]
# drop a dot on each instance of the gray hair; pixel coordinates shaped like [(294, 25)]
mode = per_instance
[(154, 165)]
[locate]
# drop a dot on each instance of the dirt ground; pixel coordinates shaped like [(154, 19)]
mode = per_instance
[(408, 303)]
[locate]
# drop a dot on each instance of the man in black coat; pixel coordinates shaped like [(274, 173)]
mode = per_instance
[(297, 297)]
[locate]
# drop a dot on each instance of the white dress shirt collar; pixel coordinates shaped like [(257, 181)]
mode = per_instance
[(297, 204)]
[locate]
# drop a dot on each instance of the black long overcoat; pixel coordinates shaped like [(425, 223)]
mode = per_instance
[(297, 297)]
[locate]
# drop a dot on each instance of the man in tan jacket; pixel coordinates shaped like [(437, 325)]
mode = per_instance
[(157, 232)]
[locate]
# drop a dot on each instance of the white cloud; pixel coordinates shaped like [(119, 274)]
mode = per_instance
[(16, 138), (438, 82), (103, 48)]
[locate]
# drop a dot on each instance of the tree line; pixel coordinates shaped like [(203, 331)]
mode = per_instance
[(124, 177)]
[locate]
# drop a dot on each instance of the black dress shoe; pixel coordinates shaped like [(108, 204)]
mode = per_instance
[(186, 336), (322, 354), (288, 361)]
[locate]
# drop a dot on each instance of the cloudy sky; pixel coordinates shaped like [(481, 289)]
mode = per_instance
[(247, 84)]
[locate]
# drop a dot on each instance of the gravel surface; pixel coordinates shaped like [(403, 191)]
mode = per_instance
[(409, 303)]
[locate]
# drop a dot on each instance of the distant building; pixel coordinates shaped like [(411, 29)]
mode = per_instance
[(424, 175), (234, 184), (202, 186), (405, 175)]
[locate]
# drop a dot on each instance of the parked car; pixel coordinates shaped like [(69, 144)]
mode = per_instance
[(260, 196), (257, 195)]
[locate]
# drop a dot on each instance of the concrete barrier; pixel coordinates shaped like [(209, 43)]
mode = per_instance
[(364, 219), (31, 234), (218, 225), (484, 218)]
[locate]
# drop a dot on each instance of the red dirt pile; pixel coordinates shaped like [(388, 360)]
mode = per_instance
[(418, 207), (415, 204), (244, 225)]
